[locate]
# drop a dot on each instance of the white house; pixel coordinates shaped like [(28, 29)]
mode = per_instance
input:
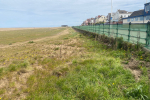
[(92, 20), (120, 14)]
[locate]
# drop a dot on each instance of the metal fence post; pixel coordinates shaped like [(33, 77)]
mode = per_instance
[(148, 33), (109, 30), (90, 27), (95, 28), (103, 27), (99, 28), (129, 31), (117, 30)]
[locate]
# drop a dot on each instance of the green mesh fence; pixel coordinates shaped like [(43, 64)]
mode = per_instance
[(130, 32)]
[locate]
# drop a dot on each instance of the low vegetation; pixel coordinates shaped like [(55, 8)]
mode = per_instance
[(10, 37), (74, 66)]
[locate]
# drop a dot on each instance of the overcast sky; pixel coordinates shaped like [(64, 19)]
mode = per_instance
[(54, 13)]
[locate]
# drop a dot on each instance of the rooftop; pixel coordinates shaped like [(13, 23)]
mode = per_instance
[(123, 11), (137, 13)]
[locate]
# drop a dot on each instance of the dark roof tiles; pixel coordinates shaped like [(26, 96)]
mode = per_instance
[(137, 13)]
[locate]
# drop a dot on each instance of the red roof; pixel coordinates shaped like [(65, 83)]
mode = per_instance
[(99, 16)]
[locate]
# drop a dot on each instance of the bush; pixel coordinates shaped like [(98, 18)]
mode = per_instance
[(30, 42), (138, 93), (120, 42)]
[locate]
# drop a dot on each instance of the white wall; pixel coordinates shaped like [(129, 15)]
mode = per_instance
[(126, 21), (118, 15), (92, 21), (124, 15)]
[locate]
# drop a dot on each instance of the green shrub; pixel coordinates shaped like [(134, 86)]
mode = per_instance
[(13, 67), (120, 42), (56, 48), (30, 42), (138, 92)]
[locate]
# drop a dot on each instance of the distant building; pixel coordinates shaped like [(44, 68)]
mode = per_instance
[(64, 25), (109, 17), (89, 21), (86, 22), (92, 21), (140, 16), (101, 18), (120, 14)]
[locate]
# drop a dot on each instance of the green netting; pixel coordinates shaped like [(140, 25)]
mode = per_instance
[(130, 32)]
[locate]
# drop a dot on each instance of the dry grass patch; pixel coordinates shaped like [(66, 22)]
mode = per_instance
[(19, 63)]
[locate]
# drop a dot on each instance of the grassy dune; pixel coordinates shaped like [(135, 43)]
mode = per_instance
[(70, 67)]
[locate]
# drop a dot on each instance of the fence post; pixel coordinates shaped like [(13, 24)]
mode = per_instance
[(103, 27), (99, 28), (117, 30), (90, 27), (109, 30), (93, 28), (147, 34), (129, 31)]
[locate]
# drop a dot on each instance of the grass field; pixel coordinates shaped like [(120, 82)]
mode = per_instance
[(10, 37), (68, 66)]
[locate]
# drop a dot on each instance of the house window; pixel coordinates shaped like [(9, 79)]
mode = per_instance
[(128, 19), (132, 19), (124, 15), (136, 19), (141, 18), (147, 8), (147, 18)]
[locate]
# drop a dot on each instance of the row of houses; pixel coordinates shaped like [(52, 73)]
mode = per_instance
[(139, 16), (97, 19), (122, 16), (116, 17)]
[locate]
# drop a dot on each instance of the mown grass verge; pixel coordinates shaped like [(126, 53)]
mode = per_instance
[(96, 75)]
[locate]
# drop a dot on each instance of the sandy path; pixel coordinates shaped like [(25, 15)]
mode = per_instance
[(36, 40)]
